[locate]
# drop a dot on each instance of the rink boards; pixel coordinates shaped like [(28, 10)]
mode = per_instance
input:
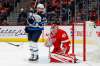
[(17, 34)]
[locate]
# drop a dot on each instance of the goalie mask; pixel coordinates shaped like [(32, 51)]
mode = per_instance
[(54, 28)]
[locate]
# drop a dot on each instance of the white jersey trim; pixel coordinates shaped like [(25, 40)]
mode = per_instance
[(65, 41)]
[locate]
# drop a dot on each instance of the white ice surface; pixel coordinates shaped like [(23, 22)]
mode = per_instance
[(18, 56)]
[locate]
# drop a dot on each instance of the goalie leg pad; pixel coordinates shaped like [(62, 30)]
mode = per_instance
[(60, 58)]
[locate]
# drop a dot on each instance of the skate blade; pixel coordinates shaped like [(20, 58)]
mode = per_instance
[(33, 61)]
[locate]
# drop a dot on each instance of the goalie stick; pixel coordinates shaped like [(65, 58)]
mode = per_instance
[(49, 46)]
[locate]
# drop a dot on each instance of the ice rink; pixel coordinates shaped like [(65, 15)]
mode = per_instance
[(18, 56)]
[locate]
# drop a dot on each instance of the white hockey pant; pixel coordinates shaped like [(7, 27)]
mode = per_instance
[(33, 48)]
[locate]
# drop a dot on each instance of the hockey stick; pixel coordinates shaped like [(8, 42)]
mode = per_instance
[(49, 53), (35, 4), (13, 44), (49, 46)]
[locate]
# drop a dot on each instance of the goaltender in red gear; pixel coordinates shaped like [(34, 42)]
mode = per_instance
[(60, 41)]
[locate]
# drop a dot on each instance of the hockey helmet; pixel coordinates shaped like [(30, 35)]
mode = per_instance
[(40, 8), (54, 28)]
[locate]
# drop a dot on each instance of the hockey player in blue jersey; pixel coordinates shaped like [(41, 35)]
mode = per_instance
[(34, 29)]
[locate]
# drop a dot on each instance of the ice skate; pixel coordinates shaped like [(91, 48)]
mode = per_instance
[(34, 58)]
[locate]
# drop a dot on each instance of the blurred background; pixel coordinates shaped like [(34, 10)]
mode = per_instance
[(65, 12)]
